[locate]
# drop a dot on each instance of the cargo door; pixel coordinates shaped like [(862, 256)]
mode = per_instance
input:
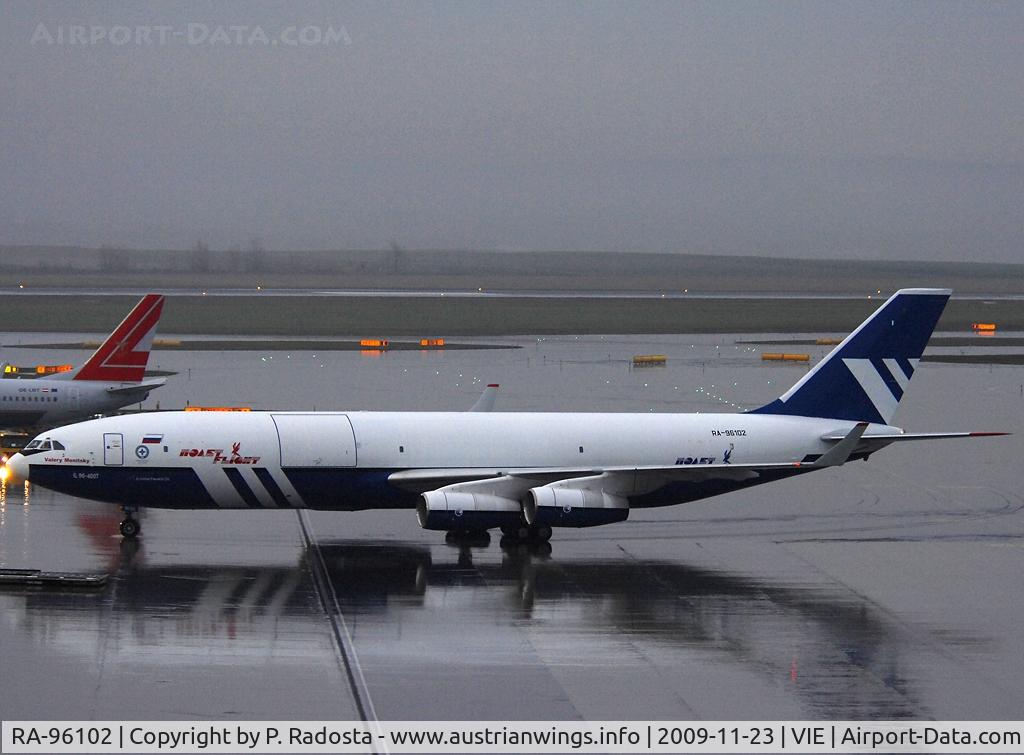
[(113, 449), (315, 440)]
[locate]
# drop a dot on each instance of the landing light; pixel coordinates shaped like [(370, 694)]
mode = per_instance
[(4, 472)]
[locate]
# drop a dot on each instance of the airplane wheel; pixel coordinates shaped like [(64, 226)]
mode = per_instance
[(130, 528), (509, 530), (542, 533), (467, 536)]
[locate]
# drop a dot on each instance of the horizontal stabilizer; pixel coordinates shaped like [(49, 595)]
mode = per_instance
[(840, 452), (892, 437), (136, 387)]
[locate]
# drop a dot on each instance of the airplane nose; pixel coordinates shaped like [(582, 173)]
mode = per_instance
[(17, 468)]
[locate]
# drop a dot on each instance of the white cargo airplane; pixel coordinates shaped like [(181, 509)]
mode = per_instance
[(522, 472), (113, 377)]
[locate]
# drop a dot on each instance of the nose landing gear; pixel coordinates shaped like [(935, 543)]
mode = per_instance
[(130, 527)]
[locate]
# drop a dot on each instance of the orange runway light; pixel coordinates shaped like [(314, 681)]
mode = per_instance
[(649, 359), (772, 357), (52, 369)]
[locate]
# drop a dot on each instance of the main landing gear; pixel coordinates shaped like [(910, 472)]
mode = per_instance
[(471, 537), (521, 533), (130, 527), (536, 533)]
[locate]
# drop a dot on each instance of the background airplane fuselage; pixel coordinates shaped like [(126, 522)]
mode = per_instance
[(39, 402), (343, 460)]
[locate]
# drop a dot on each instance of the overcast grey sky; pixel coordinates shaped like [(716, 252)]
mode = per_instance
[(884, 130)]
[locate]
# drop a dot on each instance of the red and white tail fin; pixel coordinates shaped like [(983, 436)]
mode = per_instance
[(122, 358)]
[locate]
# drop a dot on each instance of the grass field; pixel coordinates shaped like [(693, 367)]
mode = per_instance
[(484, 316)]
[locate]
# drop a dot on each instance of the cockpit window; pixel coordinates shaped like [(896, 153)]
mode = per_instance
[(58, 446), (45, 445), (33, 444)]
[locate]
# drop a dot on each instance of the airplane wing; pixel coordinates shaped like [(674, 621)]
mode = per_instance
[(639, 478), (136, 387), (570, 497)]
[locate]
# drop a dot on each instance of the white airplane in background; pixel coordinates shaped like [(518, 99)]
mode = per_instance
[(113, 377), (522, 472)]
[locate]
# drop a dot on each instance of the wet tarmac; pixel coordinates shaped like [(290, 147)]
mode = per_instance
[(889, 589)]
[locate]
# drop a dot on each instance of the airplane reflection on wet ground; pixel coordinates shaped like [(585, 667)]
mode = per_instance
[(462, 630), (889, 589), (235, 616)]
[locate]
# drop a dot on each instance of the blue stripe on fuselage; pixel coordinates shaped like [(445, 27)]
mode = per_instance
[(264, 476), (329, 489), (348, 488), (160, 487), (338, 488), (242, 487)]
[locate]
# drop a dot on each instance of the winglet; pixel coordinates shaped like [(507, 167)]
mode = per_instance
[(123, 356), (840, 452), (486, 401)]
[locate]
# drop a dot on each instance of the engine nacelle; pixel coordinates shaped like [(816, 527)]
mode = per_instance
[(455, 510), (573, 507)]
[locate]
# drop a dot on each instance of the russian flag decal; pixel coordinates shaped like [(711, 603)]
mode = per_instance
[(152, 438)]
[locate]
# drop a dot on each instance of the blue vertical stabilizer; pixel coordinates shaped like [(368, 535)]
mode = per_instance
[(864, 377)]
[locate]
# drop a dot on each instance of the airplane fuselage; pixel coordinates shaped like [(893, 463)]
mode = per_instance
[(38, 402), (359, 460)]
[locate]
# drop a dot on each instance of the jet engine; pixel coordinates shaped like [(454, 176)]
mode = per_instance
[(564, 505), (446, 509)]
